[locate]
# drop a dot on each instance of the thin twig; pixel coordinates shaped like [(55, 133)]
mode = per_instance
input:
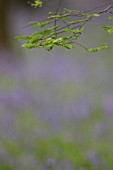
[(105, 10), (60, 1), (55, 21), (96, 7)]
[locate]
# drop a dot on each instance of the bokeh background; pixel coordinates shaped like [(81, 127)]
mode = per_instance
[(56, 108)]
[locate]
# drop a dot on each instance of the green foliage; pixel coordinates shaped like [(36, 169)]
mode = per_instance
[(63, 29), (102, 47), (39, 24), (109, 29), (110, 17), (37, 3)]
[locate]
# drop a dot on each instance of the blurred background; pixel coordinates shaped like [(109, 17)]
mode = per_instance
[(56, 108)]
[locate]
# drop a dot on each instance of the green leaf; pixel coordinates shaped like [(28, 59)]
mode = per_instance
[(102, 47), (34, 39), (92, 50), (76, 21), (96, 15), (74, 31), (49, 47), (68, 46), (60, 41), (30, 45), (108, 28), (70, 11), (39, 24), (91, 15), (49, 40), (110, 31), (43, 33), (110, 17), (54, 17), (37, 3), (24, 37)]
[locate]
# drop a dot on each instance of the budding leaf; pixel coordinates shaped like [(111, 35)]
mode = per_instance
[(110, 17), (39, 24), (37, 3), (102, 47), (24, 37), (30, 46), (68, 46)]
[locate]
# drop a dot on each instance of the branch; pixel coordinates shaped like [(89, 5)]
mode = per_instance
[(55, 34)]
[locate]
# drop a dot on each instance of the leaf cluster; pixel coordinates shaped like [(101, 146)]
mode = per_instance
[(37, 3), (63, 29)]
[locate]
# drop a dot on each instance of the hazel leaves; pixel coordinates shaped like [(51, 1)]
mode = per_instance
[(61, 30)]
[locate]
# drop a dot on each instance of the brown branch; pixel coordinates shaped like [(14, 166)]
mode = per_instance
[(105, 10), (60, 1), (55, 21), (96, 7)]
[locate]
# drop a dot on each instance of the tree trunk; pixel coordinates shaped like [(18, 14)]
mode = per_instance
[(3, 24)]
